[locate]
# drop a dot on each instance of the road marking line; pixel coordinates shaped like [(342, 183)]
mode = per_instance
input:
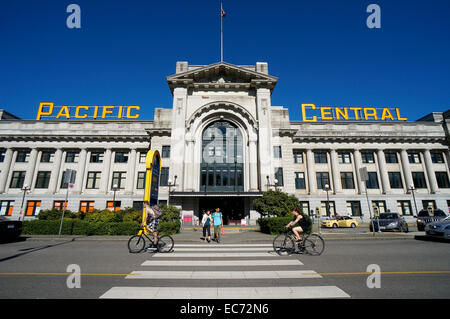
[(248, 263), (193, 249), (55, 274), (280, 274), (222, 245), (387, 273), (225, 292), (215, 255)]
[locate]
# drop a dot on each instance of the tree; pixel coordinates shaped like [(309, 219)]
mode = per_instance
[(275, 203)]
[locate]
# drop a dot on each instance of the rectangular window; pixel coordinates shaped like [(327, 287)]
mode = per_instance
[(354, 208), (6, 207), (93, 180), (164, 177), (320, 157), (298, 157), (391, 157), (428, 203), (300, 180), (442, 180), (344, 158), (47, 156), (322, 180), (372, 182), (419, 180), (33, 208), (87, 206), (121, 157), (437, 157), (395, 180), (17, 179), (279, 176), (140, 180), (165, 151), (304, 206), (277, 152), (331, 211), (96, 157), (142, 156), (404, 207), (138, 205), (118, 178), (381, 204), (113, 206), (367, 157), (59, 205), (42, 179), (72, 156), (2, 155), (414, 157), (347, 180), (22, 156)]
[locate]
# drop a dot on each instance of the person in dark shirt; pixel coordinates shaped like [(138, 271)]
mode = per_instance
[(301, 220)]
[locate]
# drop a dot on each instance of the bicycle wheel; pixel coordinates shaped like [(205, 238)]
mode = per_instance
[(165, 244), (283, 245), (314, 245), (136, 244)]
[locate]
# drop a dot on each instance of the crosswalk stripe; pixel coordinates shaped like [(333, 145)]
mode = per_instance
[(292, 292), (222, 245), (194, 249), (248, 263), (279, 274), (214, 255)]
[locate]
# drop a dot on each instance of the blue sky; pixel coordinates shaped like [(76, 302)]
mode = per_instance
[(321, 51)]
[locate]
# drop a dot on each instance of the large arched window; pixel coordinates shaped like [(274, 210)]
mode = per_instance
[(222, 160)]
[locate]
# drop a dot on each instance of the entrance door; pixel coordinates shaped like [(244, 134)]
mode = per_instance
[(232, 208)]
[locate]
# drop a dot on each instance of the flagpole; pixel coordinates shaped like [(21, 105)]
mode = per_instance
[(221, 32)]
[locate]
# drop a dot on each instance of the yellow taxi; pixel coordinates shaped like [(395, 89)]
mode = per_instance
[(340, 221)]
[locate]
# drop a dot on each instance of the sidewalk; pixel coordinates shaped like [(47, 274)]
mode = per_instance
[(244, 235)]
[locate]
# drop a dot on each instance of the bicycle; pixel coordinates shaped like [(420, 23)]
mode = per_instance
[(137, 243), (285, 244)]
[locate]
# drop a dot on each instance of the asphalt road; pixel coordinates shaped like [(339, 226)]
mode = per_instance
[(410, 268)]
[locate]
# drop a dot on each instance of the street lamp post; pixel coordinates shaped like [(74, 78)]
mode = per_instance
[(274, 184), (170, 184), (327, 189), (414, 197), (25, 190), (115, 189)]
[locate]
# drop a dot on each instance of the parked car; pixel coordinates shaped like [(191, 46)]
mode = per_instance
[(424, 218), (340, 221), (9, 229), (389, 221), (440, 229)]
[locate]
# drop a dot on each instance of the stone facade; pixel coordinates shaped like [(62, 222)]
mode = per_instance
[(301, 156)]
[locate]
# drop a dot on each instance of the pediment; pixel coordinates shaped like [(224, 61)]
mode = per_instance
[(221, 75)]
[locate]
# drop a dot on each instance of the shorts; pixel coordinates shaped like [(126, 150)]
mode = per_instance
[(154, 223)]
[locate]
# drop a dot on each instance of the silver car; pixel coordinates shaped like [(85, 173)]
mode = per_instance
[(440, 229)]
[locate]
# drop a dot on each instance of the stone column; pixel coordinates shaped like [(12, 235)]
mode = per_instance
[(131, 168), (383, 172), (6, 168), (31, 167), (358, 164), (406, 168), (430, 172), (335, 172), (253, 165), (79, 177), (311, 174), (55, 171), (104, 188)]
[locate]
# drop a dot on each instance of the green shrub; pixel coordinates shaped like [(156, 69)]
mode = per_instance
[(169, 228), (275, 203), (54, 214)]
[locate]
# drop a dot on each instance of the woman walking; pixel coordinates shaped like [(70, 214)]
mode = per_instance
[(206, 223)]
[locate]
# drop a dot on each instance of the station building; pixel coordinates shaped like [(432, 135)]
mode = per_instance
[(223, 144)]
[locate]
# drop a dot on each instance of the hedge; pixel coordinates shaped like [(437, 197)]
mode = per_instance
[(275, 225), (82, 227)]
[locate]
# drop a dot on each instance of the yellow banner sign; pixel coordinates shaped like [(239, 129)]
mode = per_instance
[(311, 113), (47, 110)]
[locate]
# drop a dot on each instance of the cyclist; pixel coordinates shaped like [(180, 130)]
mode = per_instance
[(303, 223), (151, 221)]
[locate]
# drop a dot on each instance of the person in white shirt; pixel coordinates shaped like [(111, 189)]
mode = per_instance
[(206, 223)]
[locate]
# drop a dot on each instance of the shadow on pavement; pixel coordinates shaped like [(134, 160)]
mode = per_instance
[(429, 238)]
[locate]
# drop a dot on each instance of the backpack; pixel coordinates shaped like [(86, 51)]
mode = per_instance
[(157, 210)]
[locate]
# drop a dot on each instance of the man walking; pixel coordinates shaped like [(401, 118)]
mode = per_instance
[(218, 224)]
